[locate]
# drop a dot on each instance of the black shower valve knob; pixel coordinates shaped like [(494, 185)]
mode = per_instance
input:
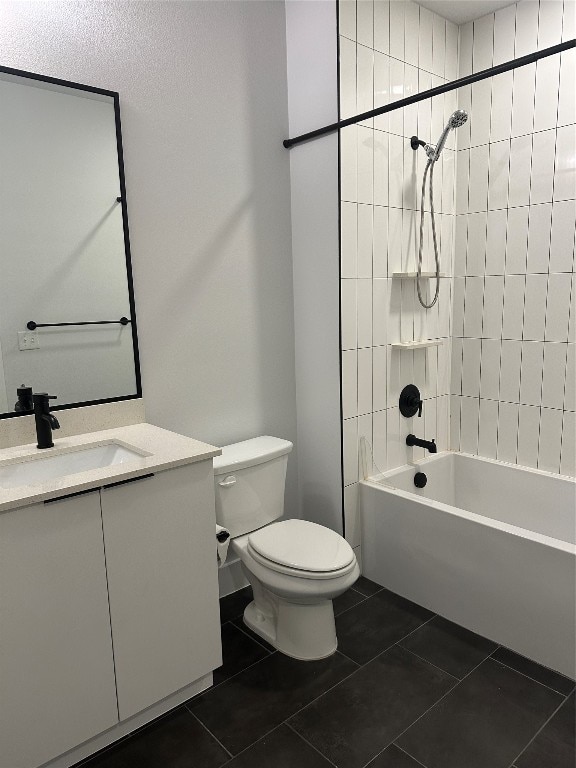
[(410, 401)]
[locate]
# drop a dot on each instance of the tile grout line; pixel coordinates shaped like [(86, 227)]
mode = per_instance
[(412, 631), (236, 674), (209, 732), (431, 663), (349, 659), (392, 645), (407, 753), (258, 643), (565, 699), (258, 740), (479, 423), (359, 667), (284, 722), (439, 700), (305, 740), (360, 602), (503, 664)]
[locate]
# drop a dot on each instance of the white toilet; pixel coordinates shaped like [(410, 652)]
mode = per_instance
[(296, 568)]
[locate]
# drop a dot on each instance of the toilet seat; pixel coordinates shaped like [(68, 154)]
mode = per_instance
[(301, 548), (298, 573)]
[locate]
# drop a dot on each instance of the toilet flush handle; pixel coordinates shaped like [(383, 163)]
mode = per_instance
[(228, 481)]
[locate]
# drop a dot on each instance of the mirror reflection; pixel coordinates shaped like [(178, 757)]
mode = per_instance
[(64, 266)]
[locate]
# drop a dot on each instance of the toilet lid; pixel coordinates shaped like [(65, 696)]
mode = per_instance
[(302, 545)]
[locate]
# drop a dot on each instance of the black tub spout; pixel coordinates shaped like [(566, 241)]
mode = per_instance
[(430, 445)]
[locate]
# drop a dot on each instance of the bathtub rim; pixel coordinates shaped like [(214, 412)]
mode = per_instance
[(377, 482)]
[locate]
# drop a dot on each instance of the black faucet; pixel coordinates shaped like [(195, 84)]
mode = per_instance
[(430, 445), (45, 421), (24, 403)]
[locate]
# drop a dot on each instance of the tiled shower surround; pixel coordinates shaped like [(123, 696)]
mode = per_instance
[(500, 383), (513, 376)]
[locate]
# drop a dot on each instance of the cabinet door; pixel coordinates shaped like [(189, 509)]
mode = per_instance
[(163, 583), (57, 684)]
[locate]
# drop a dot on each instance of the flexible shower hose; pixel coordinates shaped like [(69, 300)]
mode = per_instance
[(429, 166)]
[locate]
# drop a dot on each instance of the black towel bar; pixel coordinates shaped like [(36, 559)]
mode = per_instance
[(31, 325)]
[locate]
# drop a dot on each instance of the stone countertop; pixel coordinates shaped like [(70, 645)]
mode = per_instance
[(160, 449)]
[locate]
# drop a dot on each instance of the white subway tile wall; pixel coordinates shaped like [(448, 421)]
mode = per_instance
[(517, 402), (389, 50), (501, 383)]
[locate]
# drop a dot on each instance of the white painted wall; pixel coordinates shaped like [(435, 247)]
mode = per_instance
[(3, 397), (62, 244), (204, 108), (313, 102)]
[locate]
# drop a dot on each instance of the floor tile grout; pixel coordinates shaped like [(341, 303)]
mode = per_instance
[(284, 722), (459, 682), (409, 755), (360, 602), (418, 628), (444, 672), (525, 747), (258, 740), (261, 645), (358, 666), (503, 664), (208, 731), (364, 595), (217, 685), (380, 653), (349, 659), (305, 740), (361, 666)]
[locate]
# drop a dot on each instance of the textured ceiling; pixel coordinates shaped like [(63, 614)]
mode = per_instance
[(461, 11)]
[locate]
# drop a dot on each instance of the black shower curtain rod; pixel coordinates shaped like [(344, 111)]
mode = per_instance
[(460, 83)]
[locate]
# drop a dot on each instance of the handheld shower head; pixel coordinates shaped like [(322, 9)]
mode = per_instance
[(456, 119)]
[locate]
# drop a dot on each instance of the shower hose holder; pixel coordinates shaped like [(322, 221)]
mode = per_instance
[(415, 142)]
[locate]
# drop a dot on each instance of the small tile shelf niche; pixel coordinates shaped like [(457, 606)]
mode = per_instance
[(417, 344)]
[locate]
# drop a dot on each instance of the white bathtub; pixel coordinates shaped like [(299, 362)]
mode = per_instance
[(486, 544)]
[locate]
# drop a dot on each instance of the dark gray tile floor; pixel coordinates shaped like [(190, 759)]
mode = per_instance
[(406, 689)]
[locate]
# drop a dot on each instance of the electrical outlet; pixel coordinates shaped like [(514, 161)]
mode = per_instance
[(28, 340)]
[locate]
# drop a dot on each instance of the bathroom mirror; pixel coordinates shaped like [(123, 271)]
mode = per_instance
[(67, 317)]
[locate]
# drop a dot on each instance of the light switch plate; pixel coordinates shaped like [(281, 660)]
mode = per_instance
[(28, 340)]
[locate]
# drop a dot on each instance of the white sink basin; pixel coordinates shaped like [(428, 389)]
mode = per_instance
[(40, 469)]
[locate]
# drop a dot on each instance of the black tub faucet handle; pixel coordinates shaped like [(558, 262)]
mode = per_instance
[(410, 401)]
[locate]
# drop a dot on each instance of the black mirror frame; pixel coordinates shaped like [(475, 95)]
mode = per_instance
[(116, 99)]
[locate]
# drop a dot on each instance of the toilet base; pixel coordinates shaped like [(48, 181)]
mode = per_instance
[(306, 632)]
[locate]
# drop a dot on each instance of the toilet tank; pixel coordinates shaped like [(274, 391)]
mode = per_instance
[(249, 480)]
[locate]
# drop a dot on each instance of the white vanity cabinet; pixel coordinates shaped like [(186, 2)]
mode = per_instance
[(108, 610), (162, 581), (57, 684)]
